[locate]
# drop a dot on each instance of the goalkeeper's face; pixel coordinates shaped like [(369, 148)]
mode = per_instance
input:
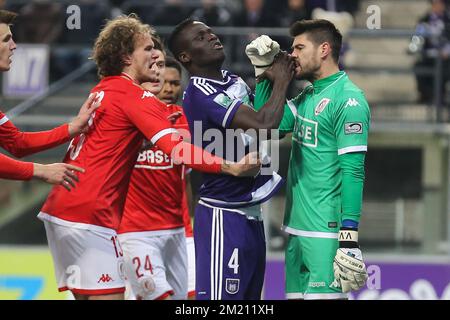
[(307, 58)]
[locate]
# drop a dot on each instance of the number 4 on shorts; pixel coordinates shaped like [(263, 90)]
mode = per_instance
[(233, 263)]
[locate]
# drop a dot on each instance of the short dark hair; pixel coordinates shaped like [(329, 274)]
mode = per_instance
[(7, 16), (320, 31), (173, 38), (172, 63), (158, 43)]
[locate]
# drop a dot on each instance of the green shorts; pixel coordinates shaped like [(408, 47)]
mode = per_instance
[(309, 268)]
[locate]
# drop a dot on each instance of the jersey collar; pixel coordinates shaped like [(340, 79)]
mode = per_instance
[(127, 76), (225, 75), (322, 84)]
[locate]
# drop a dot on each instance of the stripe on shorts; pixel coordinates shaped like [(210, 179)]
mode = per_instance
[(216, 272)]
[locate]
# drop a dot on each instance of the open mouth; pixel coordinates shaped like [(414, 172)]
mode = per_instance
[(217, 45)]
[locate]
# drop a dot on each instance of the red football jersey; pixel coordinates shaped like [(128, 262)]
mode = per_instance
[(156, 197), (20, 144), (108, 153)]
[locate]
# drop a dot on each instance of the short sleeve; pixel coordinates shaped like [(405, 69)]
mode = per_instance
[(351, 123), (149, 115), (214, 103)]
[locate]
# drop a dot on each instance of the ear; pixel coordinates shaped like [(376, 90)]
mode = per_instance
[(325, 50), (126, 59), (184, 57)]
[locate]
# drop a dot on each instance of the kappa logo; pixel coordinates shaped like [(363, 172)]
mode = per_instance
[(353, 128), (147, 94), (321, 106), (231, 286), (105, 278), (351, 102)]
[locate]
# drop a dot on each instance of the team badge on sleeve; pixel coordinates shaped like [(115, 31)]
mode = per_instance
[(321, 106), (353, 128), (231, 285), (223, 100)]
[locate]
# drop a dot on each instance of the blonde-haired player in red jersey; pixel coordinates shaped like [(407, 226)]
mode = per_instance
[(152, 230), (81, 225)]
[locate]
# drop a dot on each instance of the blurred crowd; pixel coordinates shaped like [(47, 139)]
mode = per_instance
[(431, 43), (44, 21)]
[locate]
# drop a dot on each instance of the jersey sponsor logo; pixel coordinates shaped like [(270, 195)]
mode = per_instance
[(231, 285), (351, 102), (223, 100), (321, 106), (305, 132), (153, 159), (105, 278), (353, 128), (147, 94)]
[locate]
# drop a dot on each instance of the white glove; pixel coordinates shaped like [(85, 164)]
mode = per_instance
[(261, 53), (348, 266)]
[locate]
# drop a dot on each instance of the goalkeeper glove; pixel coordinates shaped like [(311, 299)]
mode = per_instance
[(261, 53), (349, 269)]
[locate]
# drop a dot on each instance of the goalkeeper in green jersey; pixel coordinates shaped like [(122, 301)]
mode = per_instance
[(329, 121)]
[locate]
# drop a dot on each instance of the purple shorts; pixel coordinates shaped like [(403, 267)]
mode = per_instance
[(230, 252)]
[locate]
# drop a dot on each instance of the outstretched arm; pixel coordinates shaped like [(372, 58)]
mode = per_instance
[(56, 173), (21, 144)]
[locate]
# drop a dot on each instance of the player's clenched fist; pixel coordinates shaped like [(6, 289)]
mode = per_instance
[(57, 173), (349, 268)]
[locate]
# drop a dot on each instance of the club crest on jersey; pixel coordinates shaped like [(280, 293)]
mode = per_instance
[(147, 94), (231, 285), (321, 106)]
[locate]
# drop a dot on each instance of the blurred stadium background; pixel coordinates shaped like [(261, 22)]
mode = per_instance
[(403, 67)]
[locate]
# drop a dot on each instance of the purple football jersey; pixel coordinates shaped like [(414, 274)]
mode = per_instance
[(210, 106)]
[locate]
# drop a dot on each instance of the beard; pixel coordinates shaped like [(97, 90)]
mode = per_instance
[(310, 73)]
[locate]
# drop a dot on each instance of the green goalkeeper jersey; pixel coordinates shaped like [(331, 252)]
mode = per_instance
[(327, 119)]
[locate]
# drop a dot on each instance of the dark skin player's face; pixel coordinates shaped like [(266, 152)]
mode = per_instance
[(203, 47)]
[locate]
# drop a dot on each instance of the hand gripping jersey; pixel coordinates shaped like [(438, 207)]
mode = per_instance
[(211, 104), (108, 153), (156, 199)]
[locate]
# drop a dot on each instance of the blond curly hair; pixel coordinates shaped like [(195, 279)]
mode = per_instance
[(116, 40)]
